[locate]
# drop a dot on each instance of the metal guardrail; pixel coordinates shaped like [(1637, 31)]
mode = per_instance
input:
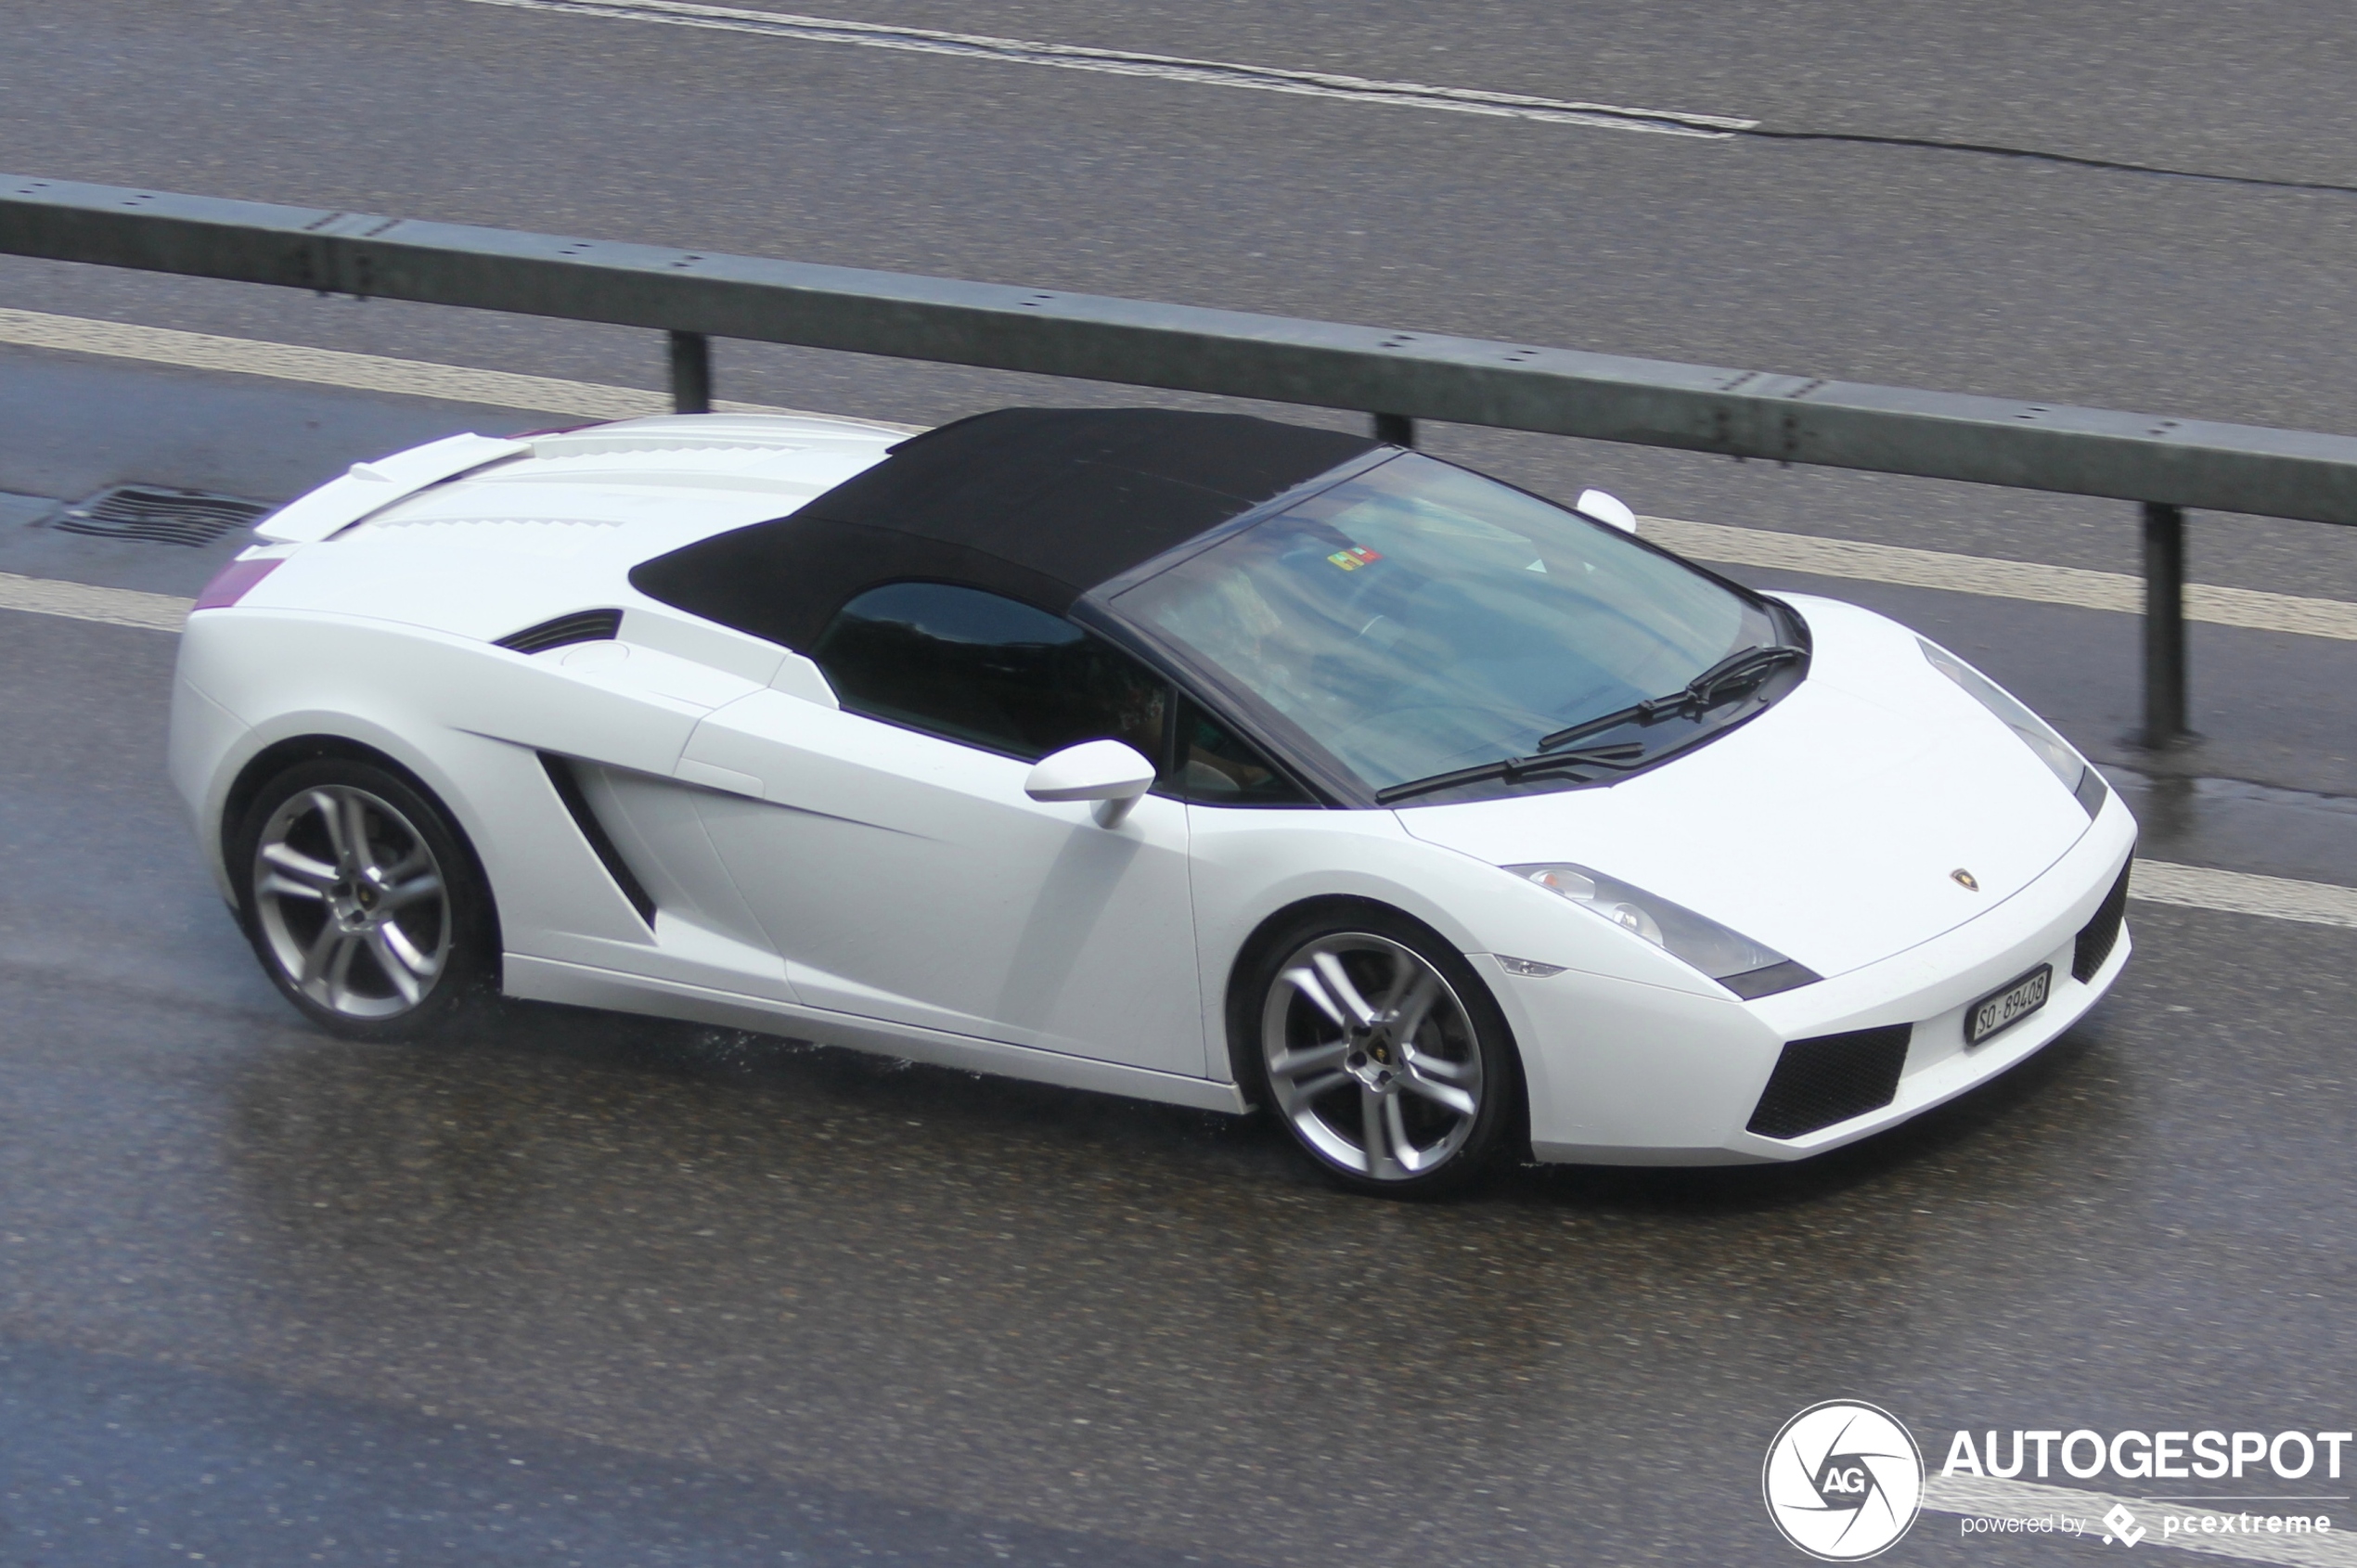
[(2167, 465)]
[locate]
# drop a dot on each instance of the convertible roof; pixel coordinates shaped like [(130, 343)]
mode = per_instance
[(1038, 504)]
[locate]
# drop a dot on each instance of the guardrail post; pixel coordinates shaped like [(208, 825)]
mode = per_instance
[(2164, 624), (691, 373), (1396, 428)]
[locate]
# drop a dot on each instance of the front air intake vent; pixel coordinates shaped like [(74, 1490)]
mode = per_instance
[(587, 626), (2100, 936), (1831, 1078)]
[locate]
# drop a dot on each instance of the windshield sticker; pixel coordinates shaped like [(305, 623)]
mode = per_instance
[(1356, 556)]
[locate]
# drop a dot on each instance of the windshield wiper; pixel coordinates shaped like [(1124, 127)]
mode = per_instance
[(1616, 757), (1746, 666)]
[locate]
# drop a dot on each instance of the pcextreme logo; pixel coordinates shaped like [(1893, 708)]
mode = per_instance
[(1843, 1480)]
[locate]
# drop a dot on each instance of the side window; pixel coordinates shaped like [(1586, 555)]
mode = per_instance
[(1216, 767), (986, 670)]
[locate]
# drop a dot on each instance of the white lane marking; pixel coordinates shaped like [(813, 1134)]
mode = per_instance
[(335, 367), (1988, 1498), (80, 601), (1707, 541), (1168, 68), (2244, 892), (1996, 578)]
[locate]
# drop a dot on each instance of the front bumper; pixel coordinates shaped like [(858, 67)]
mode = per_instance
[(1622, 1073)]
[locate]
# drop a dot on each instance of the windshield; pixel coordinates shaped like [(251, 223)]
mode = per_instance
[(1418, 617)]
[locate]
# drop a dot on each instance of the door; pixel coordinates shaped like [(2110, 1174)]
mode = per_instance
[(888, 849)]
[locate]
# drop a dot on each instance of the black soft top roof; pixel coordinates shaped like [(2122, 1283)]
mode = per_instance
[(1038, 504)]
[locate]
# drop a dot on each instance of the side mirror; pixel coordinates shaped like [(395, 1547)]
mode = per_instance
[(1606, 508), (1106, 772)]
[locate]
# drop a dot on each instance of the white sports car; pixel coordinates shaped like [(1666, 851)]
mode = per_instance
[(1195, 757)]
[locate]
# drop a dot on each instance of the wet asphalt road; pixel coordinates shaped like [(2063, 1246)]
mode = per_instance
[(590, 1289), (586, 1290), (600, 1290)]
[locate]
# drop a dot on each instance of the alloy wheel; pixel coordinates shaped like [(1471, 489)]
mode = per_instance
[(352, 906), (1371, 1056)]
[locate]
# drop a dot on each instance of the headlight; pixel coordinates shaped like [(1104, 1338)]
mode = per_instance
[(2077, 774), (1743, 966)]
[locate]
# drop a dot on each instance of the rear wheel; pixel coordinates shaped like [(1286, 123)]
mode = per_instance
[(1382, 1054), (363, 905)]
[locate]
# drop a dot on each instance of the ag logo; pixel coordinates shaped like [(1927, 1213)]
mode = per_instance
[(1843, 1480)]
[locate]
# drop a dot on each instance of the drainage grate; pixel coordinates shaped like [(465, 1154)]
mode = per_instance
[(158, 516)]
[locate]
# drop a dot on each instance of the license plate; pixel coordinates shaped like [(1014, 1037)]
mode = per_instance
[(2001, 1009)]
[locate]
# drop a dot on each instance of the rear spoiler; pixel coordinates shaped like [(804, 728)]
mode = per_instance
[(371, 487)]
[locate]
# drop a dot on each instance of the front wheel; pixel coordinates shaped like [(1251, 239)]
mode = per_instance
[(1382, 1054), (362, 904)]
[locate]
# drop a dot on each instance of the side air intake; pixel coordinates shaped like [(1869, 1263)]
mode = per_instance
[(1831, 1078), (586, 626), (568, 785)]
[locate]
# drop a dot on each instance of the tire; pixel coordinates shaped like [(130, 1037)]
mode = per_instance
[(363, 903), (1318, 1019)]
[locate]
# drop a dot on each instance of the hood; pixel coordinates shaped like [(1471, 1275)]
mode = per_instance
[(1828, 826)]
